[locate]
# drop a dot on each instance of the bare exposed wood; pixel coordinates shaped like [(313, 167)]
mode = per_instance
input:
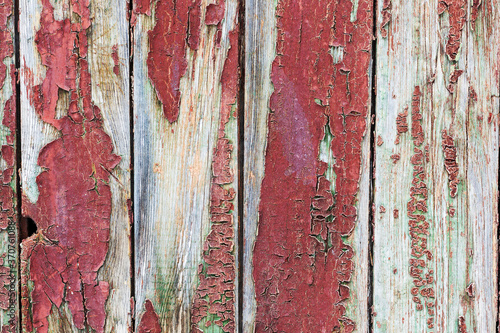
[(186, 152), (76, 158), (436, 113)]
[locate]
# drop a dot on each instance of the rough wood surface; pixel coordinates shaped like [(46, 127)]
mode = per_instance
[(9, 256), (435, 226), (186, 133), (298, 276), (75, 165)]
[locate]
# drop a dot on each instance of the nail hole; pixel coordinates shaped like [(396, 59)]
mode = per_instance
[(27, 228)]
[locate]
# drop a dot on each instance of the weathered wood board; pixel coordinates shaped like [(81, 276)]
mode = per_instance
[(75, 158), (186, 84), (227, 166), (9, 254), (306, 170), (436, 197)]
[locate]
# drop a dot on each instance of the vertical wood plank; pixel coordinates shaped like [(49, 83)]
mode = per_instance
[(435, 238), (9, 245), (186, 78), (75, 165), (307, 99)]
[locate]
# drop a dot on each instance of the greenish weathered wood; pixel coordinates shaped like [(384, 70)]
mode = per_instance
[(9, 244), (462, 229), (174, 170), (108, 65)]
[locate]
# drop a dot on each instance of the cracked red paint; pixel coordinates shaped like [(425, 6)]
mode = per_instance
[(423, 276), (450, 162), (8, 226), (386, 17), (301, 264), (215, 13), (177, 27), (457, 10), (215, 295), (74, 204), (150, 322)]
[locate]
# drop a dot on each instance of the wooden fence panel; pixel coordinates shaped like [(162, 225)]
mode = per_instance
[(9, 245), (186, 84), (306, 169), (75, 165), (435, 226)]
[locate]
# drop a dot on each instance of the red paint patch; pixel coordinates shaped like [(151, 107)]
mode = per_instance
[(396, 213), (215, 294), (301, 264), (457, 10), (74, 205), (450, 162), (386, 17), (454, 79), (150, 322), (476, 4), (423, 276), (177, 26), (462, 327), (401, 124), (395, 158), (215, 13), (142, 7)]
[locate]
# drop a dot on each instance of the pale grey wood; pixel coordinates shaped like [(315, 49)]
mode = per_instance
[(260, 45), (173, 173), (463, 244)]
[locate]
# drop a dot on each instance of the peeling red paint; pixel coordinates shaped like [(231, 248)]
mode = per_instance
[(462, 327), (8, 225), (380, 141), (382, 209), (215, 13), (301, 265), (177, 27), (215, 294), (472, 94), (457, 10), (454, 79), (476, 4), (450, 162), (471, 290), (395, 158), (74, 204), (423, 276), (386, 17), (150, 322), (396, 213), (116, 60), (451, 212), (401, 124)]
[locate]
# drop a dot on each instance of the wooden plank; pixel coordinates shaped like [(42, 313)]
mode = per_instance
[(185, 151), (9, 244), (303, 195), (435, 238), (75, 165)]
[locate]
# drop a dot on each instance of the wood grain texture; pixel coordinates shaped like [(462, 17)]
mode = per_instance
[(436, 164), (260, 51), (9, 244), (179, 232), (76, 157)]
